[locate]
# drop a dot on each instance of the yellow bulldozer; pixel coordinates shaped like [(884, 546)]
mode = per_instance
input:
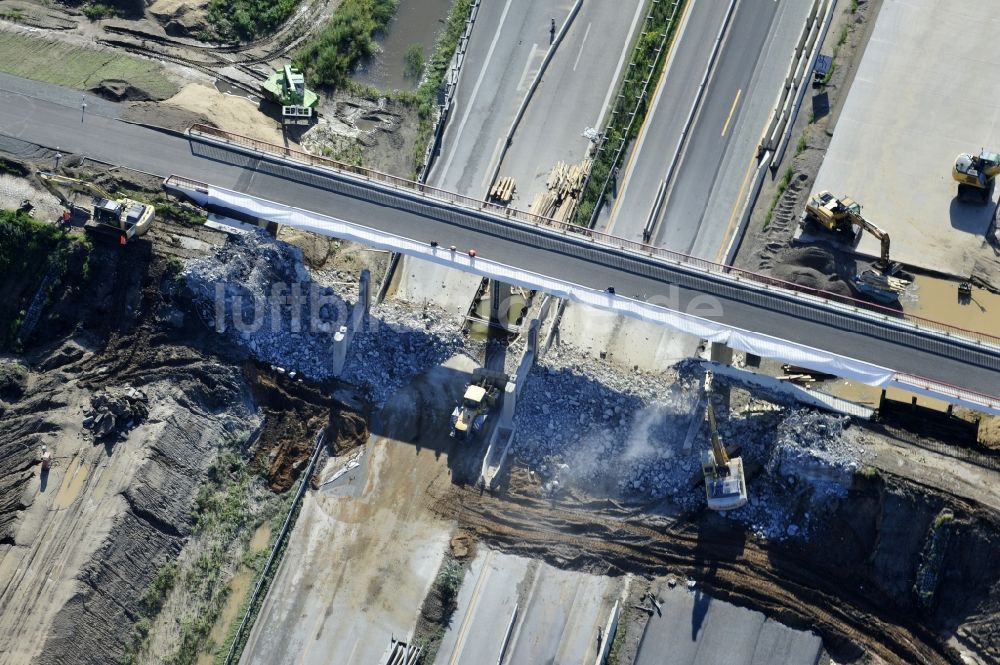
[(975, 174), (126, 217)]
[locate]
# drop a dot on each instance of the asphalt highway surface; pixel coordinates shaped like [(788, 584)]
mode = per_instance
[(572, 259)]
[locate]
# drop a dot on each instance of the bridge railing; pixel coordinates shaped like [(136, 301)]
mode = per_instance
[(479, 205)]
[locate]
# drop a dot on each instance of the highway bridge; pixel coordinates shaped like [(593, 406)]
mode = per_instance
[(952, 364), (753, 312)]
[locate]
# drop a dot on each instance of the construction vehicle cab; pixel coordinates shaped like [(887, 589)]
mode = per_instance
[(481, 395), (287, 87), (125, 216), (975, 175), (832, 213), (725, 484)]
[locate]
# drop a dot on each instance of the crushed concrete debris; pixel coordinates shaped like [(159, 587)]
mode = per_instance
[(641, 436), (258, 293), (116, 411)]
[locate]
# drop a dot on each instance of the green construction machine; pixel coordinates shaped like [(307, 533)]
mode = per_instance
[(287, 87)]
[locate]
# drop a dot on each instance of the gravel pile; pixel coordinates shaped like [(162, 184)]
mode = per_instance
[(257, 292), (642, 436)]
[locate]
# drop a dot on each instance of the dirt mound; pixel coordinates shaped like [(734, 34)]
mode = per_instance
[(815, 267), (120, 91)]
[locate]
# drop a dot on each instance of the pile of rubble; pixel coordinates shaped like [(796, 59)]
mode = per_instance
[(257, 291), (116, 411), (399, 341), (642, 436)]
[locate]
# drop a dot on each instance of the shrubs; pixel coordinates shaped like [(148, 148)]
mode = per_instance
[(244, 20), (327, 59)]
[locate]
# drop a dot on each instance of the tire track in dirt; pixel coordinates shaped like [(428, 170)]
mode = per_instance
[(801, 593)]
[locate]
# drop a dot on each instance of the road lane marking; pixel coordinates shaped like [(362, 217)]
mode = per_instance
[(475, 89), (732, 109), (524, 83), (582, 44), (736, 207), (463, 630), (488, 178), (636, 147), (621, 63)]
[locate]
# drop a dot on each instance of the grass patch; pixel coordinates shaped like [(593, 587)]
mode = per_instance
[(845, 32), (434, 71), (414, 61), (801, 146), (244, 20), (438, 608), (28, 249), (868, 472), (95, 11), (13, 379), (78, 67), (854, 6), (327, 59), (14, 14), (225, 514), (644, 57), (786, 179)]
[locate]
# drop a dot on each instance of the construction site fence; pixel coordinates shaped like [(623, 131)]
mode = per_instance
[(481, 206)]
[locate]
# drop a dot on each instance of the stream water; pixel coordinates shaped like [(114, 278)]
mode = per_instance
[(417, 22)]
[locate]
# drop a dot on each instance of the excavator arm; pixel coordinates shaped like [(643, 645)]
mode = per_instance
[(52, 178), (879, 233), (718, 449)]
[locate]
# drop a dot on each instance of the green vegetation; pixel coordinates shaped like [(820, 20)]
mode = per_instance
[(434, 72), (614, 654), (844, 34), (854, 6), (327, 59), (77, 66), (440, 605), (14, 14), (95, 11), (13, 378), (801, 146), (414, 58), (15, 169), (28, 249), (225, 514), (620, 126), (868, 472), (244, 20), (944, 517), (782, 186)]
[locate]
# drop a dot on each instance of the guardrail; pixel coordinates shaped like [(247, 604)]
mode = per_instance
[(871, 310)]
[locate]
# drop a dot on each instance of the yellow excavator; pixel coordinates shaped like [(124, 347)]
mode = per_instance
[(974, 175), (843, 215), (126, 217), (725, 485)]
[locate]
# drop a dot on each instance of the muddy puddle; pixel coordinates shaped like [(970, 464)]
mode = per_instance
[(417, 22), (938, 299), (72, 483), (239, 589)]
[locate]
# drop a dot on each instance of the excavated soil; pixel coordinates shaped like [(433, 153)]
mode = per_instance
[(94, 530), (851, 583)]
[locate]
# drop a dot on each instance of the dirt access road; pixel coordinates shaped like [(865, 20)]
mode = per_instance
[(366, 547)]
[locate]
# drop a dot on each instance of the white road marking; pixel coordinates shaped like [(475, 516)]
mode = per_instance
[(487, 179), (582, 44), (475, 90), (527, 74)]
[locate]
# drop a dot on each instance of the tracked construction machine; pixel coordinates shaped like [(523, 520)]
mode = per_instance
[(725, 484), (843, 216), (123, 216)]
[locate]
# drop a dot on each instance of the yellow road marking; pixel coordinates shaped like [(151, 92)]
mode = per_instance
[(736, 208), (732, 109), (645, 123)]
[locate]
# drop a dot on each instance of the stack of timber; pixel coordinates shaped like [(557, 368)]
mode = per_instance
[(564, 185), (503, 191)]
